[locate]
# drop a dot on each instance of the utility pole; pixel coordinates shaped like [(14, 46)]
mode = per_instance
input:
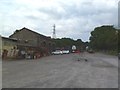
[(54, 32)]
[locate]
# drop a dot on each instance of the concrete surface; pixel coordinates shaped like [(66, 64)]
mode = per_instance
[(62, 71)]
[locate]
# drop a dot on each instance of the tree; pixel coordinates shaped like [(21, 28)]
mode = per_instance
[(104, 38), (68, 42), (118, 32)]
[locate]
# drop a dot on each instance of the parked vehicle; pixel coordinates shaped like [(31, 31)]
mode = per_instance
[(77, 51), (65, 51), (57, 52)]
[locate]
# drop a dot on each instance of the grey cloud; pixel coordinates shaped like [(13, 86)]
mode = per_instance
[(77, 20), (52, 12), (31, 17), (85, 10), (91, 17)]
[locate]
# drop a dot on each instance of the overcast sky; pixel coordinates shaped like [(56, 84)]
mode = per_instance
[(73, 18)]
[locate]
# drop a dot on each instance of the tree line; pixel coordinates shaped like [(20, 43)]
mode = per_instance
[(67, 43), (105, 38), (102, 38)]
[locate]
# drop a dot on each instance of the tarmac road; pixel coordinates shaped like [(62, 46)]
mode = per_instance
[(62, 71)]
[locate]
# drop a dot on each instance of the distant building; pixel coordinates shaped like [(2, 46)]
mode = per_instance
[(8, 45), (29, 42), (28, 37)]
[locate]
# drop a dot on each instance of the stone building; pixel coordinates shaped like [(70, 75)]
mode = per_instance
[(8, 47), (30, 37), (25, 43), (31, 41)]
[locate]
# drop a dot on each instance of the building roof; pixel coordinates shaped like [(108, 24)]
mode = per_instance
[(43, 36), (9, 39)]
